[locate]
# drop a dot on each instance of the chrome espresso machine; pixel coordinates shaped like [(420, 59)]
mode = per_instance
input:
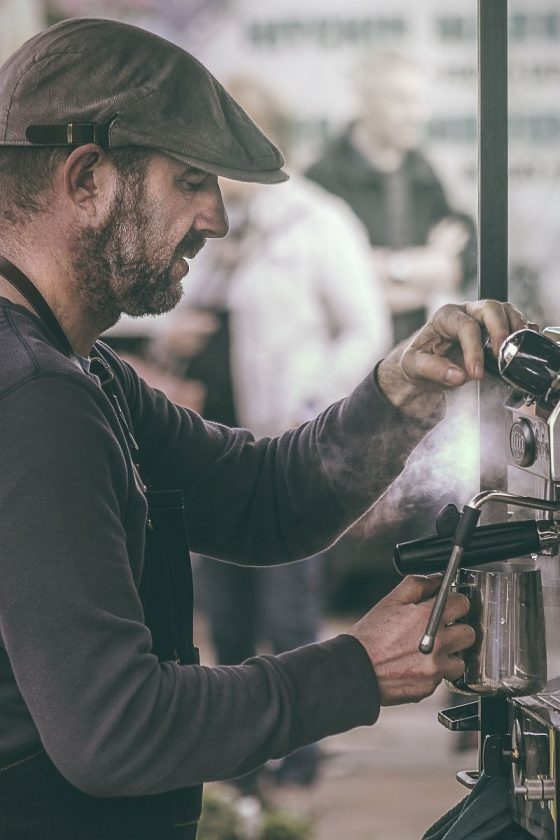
[(510, 572)]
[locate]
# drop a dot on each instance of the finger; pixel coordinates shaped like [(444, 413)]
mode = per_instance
[(517, 319), (416, 588), (533, 326), (455, 638), (434, 368), (453, 668), (499, 320), (453, 324), (457, 607), (456, 324)]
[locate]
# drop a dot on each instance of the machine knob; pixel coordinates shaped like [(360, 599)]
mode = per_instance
[(496, 757), (536, 789), (523, 443)]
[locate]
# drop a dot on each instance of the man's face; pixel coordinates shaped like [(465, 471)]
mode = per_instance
[(395, 108), (133, 263)]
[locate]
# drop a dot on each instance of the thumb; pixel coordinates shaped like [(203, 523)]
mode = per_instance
[(416, 588)]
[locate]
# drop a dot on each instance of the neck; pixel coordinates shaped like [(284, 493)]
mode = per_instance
[(56, 284), (382, 155)]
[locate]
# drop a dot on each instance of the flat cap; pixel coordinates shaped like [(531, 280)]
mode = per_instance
[(102, 81)]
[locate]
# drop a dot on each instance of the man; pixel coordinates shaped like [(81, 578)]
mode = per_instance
[(422, 248), (113, 142)]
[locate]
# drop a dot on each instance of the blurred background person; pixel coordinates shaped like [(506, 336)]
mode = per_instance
[(280, 319), (424, 251)]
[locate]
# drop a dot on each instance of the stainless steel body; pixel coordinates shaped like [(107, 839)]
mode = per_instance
[(513, 670), (534, 727), (507, 613)]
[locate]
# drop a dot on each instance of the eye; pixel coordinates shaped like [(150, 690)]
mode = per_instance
[(191, 183)]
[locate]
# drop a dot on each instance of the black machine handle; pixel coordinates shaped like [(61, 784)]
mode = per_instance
[(488, 544)]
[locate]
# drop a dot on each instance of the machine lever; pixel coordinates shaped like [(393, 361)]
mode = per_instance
[(461, 541), (468, 778), (496, 757), (464, 718), (489, 544)]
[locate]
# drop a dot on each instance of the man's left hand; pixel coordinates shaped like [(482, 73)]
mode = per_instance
[(445, 353)]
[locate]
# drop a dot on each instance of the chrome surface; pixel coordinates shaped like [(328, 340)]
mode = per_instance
[(509, 655)]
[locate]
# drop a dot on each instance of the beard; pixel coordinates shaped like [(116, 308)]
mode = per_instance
[(122, 267)]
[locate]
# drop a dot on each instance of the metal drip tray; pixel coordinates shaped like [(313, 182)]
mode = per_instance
[(550, 700)]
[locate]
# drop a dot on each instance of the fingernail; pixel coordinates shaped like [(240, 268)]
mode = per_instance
[(478, 370), (454, 376)]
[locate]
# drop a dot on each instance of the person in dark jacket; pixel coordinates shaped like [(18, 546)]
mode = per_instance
[(111, 144), (422, 247)]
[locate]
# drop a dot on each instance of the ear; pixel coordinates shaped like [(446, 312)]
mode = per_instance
[(89, 179)]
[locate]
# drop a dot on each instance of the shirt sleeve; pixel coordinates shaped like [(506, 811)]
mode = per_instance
[(113, 719), (274, 500)]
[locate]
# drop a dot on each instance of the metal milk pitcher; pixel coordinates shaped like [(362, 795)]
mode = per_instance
[(507, 613)]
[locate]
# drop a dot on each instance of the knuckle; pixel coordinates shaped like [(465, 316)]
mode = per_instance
[(447, 312)]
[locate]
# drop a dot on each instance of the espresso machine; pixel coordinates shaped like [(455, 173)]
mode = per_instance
[(510, 571)]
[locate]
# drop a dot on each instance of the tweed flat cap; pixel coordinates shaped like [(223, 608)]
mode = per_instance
[(102, 81)]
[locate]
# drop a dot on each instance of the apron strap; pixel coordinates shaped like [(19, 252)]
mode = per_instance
[(166, 587), (33, 296)]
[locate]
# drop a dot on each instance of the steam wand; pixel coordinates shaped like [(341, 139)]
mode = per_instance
[(465, 529)]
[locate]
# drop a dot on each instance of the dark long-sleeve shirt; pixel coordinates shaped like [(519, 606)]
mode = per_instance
[(77, 674)]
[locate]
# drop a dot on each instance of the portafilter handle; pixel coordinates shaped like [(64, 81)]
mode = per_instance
[(489, 544), (465, 530), (530, 362)]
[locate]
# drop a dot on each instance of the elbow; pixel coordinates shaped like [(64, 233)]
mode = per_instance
[(94, 776), (91, 780)]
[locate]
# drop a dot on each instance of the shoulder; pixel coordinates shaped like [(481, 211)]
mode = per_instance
[(330, 165), (421, 169), (29, 356)]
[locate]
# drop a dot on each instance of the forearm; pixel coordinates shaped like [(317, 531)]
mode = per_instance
[(281, 499), (151, 728)]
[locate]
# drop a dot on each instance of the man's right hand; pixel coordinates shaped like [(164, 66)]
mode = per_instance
[(392, 630)]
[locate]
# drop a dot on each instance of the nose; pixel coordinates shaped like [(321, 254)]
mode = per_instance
[(212, 219)]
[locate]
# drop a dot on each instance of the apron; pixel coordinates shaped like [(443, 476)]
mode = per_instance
[(36, 801)]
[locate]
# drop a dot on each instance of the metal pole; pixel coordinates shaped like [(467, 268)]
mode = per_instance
[(492, 214), (492, 150)]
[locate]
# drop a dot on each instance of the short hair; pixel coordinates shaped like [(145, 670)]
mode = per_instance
[(26, 175)]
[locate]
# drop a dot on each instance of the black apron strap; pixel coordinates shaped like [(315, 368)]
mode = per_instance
[(34, 297), (166, 588)]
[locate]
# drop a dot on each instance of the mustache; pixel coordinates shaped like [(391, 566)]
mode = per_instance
[(191, 244)]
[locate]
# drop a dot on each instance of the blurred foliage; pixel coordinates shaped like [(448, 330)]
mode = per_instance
[(284, 825), (221, 820)]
